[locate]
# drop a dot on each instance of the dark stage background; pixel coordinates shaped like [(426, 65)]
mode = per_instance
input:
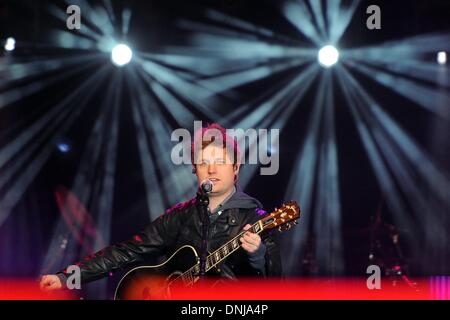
[(363, 145)]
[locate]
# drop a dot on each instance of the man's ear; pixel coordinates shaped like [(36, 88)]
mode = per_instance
[(236, 171), (236, 168)]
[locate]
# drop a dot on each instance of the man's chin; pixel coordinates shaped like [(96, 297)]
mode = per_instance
[(216, 193)]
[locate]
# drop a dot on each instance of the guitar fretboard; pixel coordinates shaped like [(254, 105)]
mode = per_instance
[(191, 275)]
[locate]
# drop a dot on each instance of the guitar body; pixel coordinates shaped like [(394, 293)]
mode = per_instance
[(153, 282)]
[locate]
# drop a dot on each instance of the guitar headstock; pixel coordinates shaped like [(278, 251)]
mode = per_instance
[(283, 218)]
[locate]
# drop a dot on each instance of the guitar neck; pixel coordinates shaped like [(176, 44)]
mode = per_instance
[(191, 275), (231, 246)]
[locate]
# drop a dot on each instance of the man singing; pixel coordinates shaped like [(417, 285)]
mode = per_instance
[(230, 211)]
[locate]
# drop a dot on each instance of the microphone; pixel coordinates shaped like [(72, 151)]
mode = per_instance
[(206, 186)]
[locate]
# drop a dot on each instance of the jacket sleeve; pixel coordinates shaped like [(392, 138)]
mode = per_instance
[(267, 262), (152, 241), (273, 256), (271, 259)]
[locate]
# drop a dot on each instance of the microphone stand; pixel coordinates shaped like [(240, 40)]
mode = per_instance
[(203, 201)]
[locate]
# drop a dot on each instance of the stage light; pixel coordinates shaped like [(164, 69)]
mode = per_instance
[(328, 56), (10, 44), (121, 55), (442, 57), (63, 147)]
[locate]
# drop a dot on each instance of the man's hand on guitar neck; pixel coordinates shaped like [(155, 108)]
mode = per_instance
[(251, 242)]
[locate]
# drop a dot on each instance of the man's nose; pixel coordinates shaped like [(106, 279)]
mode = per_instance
[(211, 168)]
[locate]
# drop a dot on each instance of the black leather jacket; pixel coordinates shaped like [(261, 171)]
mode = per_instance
[(181, 225)]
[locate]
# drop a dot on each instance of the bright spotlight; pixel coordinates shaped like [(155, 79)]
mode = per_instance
[(328, 56), (10, 44), (442, 57), (63, 147), (121, 54)]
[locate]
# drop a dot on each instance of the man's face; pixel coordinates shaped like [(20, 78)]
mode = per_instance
[(215, 165)]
